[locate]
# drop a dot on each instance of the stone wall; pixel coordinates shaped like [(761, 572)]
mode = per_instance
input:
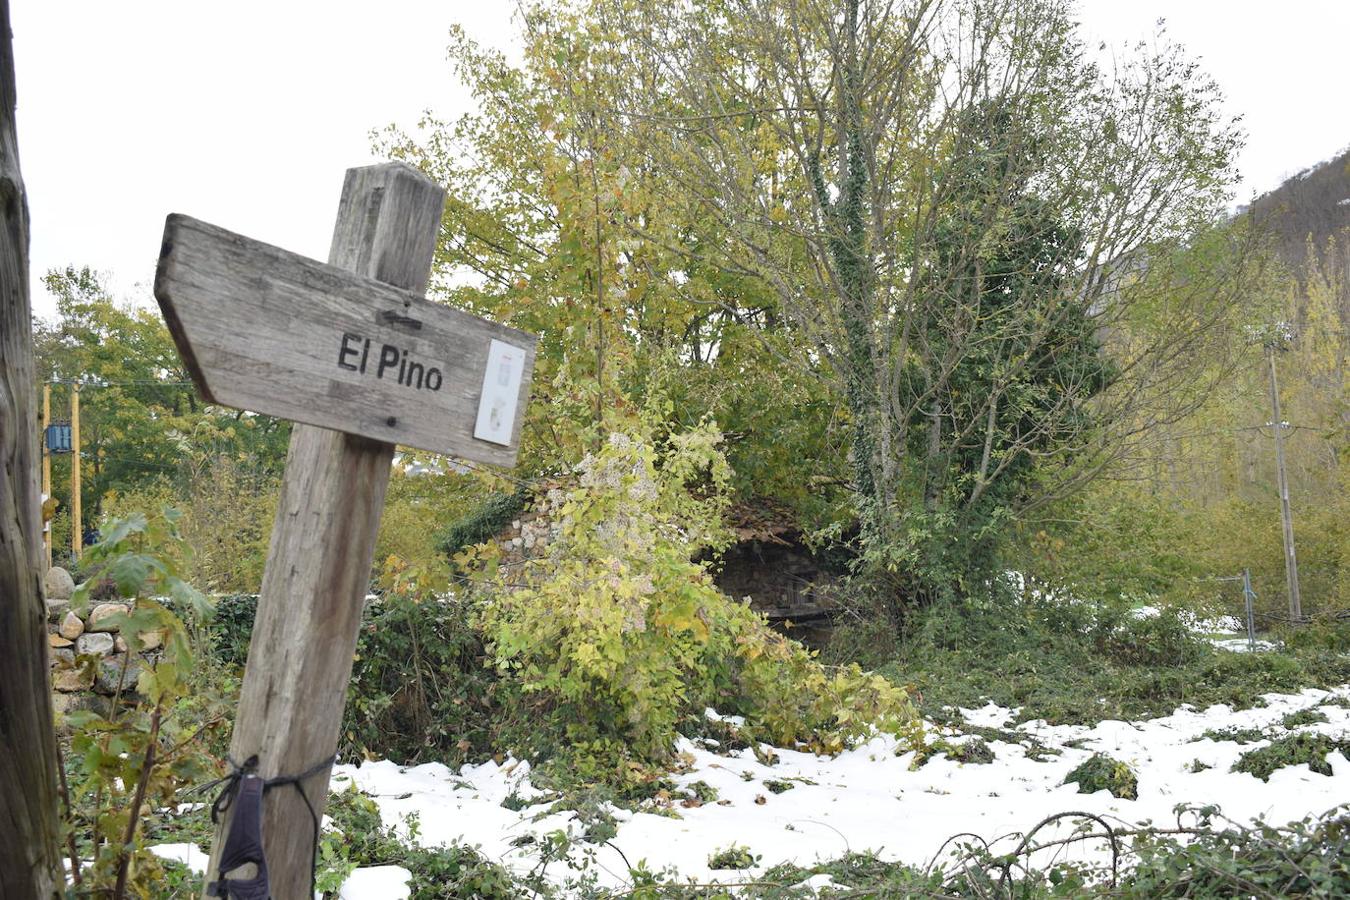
[(527, 537), (90, 665)]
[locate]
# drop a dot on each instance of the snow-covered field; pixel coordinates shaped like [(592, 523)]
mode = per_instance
[(868, 798), (804, 809)]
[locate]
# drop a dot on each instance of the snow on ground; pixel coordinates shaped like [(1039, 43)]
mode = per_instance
[(1241, 644), (189, 855), (869, 798), (1197, 624), (384, 882)]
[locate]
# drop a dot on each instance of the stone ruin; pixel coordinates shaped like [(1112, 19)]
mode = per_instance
[(769, 566), (90, 665)]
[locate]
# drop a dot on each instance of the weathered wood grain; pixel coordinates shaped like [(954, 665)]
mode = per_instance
[(30, 865), (271, 331), (318, 564)]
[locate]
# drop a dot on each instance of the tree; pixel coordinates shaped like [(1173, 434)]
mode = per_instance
[(30, 865), (1197, 499), (849, 192), (971, 480), (558, 223), (876, 162), (140, 420)]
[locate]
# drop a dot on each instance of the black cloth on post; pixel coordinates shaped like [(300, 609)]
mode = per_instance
[(243, 845)]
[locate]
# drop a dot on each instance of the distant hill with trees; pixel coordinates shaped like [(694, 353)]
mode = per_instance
[(1312, 206), (1200, 499)]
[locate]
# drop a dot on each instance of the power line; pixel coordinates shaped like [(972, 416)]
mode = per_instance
[(99, 384), (129, 460)]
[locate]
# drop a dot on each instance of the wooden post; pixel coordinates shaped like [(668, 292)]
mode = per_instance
[(76, 526), (46, 474), (1286, 517), (319, 560), (30, 862)]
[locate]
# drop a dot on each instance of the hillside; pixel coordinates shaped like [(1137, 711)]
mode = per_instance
[(1312, 203)]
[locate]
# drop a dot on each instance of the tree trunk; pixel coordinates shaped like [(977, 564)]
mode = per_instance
[(850, 252), (30, 864)]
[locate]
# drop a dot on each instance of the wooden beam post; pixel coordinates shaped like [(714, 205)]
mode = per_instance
[(319, 560), (30, 862)]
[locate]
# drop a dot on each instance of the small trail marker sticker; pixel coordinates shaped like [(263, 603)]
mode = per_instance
[(501, 387)]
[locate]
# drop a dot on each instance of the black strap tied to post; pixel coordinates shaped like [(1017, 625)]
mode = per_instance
[(244, 790)]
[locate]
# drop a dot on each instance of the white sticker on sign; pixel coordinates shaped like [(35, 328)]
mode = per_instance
[(501, 388)]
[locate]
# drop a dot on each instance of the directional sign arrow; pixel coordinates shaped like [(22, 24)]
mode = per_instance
[(267, 330)]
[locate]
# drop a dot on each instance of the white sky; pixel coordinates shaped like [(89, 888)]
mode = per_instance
[(246, 113)]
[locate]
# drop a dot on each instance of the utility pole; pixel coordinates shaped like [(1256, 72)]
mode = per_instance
[(1290, 560), (76, 529), (1249, 601), (46, 476)]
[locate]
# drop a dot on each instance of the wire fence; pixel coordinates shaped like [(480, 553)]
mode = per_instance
[(1259, 601)]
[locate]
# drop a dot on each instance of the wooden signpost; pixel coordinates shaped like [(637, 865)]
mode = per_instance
[(352, 351)]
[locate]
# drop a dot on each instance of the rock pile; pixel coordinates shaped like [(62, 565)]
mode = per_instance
[(88, 657)]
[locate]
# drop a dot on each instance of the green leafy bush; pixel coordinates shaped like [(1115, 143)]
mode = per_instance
[(232, 628), (974, 751), (1235, 734), (417, 504), (1309, 716), (1293, 750), (421, 687), (1080, 663), (1301, 859), (484, 523), (1326, 634), (734, 857), (615, 635), (227, 512), (1102, 773), (130, 759), (1158, 641)]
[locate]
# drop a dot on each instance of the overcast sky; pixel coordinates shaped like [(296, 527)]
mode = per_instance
[(246, 113)]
